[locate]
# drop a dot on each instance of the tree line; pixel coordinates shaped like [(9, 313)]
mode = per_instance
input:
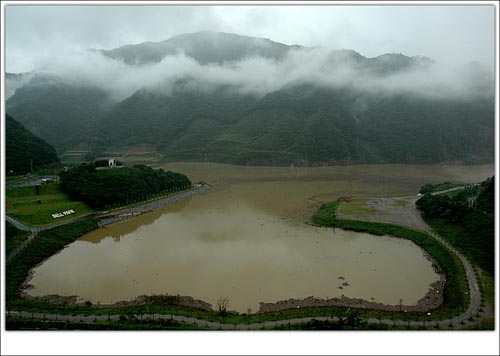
[(108, 188), (466, 220)]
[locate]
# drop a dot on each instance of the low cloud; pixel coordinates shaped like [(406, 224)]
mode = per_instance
[(259, 76)]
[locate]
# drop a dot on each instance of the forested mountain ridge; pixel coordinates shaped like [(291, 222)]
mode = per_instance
[(205, 47), (24, 151), (228, 102)]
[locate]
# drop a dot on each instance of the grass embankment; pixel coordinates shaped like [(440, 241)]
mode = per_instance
[(13, 237), (455, 300), (43, 246), (477, 244), (480, 254), (434, 188), (25, 205)]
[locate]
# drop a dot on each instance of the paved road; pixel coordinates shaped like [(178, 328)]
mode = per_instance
[(31, 182)]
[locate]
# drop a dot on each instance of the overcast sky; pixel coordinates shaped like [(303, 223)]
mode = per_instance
[(445, 33)]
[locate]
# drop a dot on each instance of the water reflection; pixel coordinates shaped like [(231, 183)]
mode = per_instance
[(118, 230)]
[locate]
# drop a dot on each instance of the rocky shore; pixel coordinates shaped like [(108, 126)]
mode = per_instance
[(431, 300), (74, 300)]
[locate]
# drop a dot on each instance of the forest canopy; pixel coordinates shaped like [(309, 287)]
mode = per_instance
[(466, 220), (108, 187)]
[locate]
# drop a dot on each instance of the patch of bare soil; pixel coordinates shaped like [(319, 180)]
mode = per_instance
[(400, 211)]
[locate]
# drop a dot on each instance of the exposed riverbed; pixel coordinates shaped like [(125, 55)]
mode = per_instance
[(247, 239)]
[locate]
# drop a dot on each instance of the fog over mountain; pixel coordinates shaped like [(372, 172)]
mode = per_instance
[(258, 66), (225, 97)]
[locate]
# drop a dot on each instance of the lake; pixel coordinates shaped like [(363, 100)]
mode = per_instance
[(249, 239)]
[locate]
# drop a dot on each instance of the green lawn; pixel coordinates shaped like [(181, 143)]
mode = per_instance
[(31, 209)]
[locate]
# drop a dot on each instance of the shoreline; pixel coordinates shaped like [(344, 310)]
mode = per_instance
[(431, 300), (129, 213)]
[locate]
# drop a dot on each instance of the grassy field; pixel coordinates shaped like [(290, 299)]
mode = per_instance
[(356, 207), (24, 205)]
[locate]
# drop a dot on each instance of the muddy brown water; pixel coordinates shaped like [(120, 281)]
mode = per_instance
[(248, 240)]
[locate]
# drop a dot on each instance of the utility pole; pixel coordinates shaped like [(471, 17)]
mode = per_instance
[(31, 164)]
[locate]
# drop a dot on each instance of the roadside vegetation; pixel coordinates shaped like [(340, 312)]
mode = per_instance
[(431, 188), (466, 220), (13, 237)]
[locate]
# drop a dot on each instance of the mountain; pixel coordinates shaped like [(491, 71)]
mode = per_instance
[(208, 47), (23, 149), (15, 81), (205, 47), (56, 110), (305, 122)]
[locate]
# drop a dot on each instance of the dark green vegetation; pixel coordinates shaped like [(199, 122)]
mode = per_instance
[(466, 220), (46, 244), (24, 151), (456, 284), (55, 110), (300, 123), (13, 237), (431, 188), (125, 323), (105, 188), (25, 205)]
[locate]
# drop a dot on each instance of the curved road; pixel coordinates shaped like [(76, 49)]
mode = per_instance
[(470, 317)]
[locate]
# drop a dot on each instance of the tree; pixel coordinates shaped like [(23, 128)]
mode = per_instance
[(222, 305)]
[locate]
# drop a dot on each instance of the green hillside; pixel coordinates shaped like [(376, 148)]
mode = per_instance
[(302, 123), (24, 151)]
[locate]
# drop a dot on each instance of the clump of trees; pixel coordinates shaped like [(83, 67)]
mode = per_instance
[(466, 220), (106, 188)]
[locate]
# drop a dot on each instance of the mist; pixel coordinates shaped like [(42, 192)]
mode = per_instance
[(259, 76)]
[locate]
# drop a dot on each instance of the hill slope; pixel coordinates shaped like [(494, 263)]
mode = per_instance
[(22, 149), (246, 114)]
